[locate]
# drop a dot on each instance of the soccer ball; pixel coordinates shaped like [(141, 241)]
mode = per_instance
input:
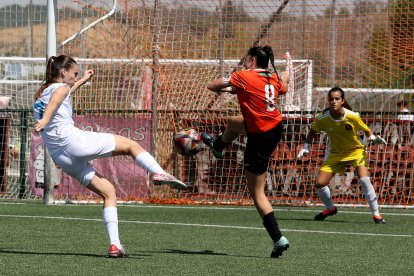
[(187, 142)]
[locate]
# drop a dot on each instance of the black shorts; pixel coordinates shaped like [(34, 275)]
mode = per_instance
[(260, 147)]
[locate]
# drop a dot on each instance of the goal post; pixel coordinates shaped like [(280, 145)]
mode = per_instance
[(123, 86), (51, 49), (364, 47), (48, 197)]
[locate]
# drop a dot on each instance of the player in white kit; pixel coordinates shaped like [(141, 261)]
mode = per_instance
[(72, 148)]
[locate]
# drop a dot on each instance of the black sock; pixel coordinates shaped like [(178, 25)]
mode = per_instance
[(219, 145), (270, 223)]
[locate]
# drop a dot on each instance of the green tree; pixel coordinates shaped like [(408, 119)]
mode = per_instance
[(363, 8), (199, 20), (379, 59), (402, 28), (343, 12)]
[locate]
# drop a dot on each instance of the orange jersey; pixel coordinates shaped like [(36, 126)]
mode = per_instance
[(258, 91)]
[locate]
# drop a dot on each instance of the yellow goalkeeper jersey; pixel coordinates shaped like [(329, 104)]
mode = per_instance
[(344, 143)]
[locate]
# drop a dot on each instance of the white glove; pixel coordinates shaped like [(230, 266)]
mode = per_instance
[(303, 152), (376, 139), (227, 89)]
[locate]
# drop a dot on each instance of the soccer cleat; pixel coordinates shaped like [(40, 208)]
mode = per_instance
[(281, 245), (115, 252), (168, 179), (378, 220), (326, 213), (209, 141)]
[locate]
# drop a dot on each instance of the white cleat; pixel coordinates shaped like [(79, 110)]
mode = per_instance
[(168, 179)]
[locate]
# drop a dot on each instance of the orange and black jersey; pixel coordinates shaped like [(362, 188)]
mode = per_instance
[(257, 91)]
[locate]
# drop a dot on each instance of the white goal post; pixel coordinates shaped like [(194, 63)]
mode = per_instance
[(25, 70)]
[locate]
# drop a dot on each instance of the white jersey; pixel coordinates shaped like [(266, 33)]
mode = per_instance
[(56, 135), (70, 147)]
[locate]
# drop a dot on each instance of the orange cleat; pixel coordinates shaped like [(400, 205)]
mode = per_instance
[(115, 252), (378, 220), (326, 213)]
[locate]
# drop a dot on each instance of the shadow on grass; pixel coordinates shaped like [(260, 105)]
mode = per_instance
[(131, 255), (189, 252), (202, 252), (335, 220), (64, 253)]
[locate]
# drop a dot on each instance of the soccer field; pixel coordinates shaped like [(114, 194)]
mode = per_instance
[(179, 240)]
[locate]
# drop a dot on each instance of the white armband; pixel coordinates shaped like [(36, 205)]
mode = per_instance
[(226, 89)]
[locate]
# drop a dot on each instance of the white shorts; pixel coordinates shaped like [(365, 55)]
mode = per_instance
[(84, 146)]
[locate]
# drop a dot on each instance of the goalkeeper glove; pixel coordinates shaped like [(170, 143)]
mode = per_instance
[(376, 139), (303, 152)]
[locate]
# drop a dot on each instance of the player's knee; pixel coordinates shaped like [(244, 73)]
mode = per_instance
[(124, 145), (319, 185), (109, 191), (103, 188)]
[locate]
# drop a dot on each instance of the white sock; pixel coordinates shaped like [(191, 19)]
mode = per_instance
[(110, 219), (370, 195), (325, 194), (147, 162)]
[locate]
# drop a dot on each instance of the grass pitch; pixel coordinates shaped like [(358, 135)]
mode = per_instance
[(180, 240)]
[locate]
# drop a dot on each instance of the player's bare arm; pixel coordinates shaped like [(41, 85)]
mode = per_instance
[(310, 136), (305, 150), (285, 78), (219, 86), (58, 96), (86, 76)]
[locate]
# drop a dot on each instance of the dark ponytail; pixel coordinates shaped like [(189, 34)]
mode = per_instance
[(263, 55), (269, 51), (53, 67)]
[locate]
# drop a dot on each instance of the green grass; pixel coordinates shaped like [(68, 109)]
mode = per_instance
[(171, 240)]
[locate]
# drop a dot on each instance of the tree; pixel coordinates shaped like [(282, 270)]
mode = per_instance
[(364, 7), (232, 14), (402, 22), (343, 12)]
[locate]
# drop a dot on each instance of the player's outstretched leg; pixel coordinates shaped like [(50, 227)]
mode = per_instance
[(281, 245), (166, 178), (159, 176), (209, 140)]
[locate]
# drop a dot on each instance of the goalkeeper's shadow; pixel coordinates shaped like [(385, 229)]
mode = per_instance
[(202, 252), (190, 252)]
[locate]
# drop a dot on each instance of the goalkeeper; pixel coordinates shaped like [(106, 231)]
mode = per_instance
[(342, 126)]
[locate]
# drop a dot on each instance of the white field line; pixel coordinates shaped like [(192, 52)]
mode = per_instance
[(211, 226), (311, 210)]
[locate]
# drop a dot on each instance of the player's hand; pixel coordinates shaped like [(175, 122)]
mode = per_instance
[(376, 139), (87, 75), (39, 125), (303, 152), (285, 77)]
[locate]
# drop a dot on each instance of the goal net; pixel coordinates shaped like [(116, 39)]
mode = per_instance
[(153, 60)]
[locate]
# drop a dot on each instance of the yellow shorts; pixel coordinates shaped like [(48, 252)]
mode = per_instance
[(339, 167)]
